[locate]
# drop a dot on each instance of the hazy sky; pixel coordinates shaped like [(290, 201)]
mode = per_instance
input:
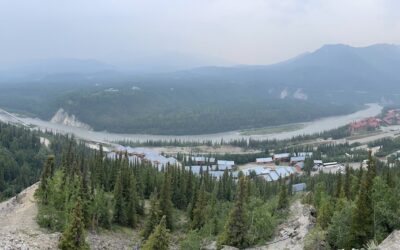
[(237, 31)]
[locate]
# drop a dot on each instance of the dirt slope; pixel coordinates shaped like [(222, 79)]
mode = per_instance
[(290, 235), (18, 228), (392, 242)]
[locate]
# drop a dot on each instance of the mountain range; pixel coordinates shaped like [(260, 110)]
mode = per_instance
[(332, 80)]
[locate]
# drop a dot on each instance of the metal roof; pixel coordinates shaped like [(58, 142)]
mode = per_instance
[(267, 177), (305, 154), (282, 155), (196, 169), (198, 158), (300, 164), (290, 170), (264, 160), (228, 163), (299, 187), (257, 169), (284, 171), (216, 174), (274, 176), (223, 167), (297, 158)]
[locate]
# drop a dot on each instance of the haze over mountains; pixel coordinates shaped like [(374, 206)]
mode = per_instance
[(334, 79)]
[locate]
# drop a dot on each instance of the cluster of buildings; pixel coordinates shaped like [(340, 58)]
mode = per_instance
[(281, 165), (328, 166), (262, 167), (365, 124), (278, 166), (272, 173), (215, 168), (143, 155), (392, 117)]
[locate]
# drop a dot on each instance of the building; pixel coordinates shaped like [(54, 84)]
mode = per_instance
[(330, 164), (257, 170), (225, 165), (197, 169), (318, 163), (282, 157), (272, 176), (299, 167), (392, 117), (267, 160), (305, 154), (297, 159), (300, 187), (365, 124), (202, 160), (216, 174), (284, 171)]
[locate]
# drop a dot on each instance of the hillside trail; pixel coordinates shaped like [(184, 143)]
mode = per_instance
[(291, 233), (18, 227), (20, 231)]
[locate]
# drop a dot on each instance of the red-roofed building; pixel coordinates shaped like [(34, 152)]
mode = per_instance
[(365, 124)]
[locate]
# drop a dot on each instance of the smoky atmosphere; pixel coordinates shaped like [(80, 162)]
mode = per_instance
[(213, 124)]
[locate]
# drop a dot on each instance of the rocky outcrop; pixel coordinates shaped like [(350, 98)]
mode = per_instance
[(62, 117)]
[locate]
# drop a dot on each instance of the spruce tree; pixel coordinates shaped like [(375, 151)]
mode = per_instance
[(338, 186), (362, 228), (133, 202), (199, 212), (73, 238), (154, 216), (283, 197), (347, 183), (47, 173), (120, 211), (85, 195), (159, 239), (166, 205), (214, 213), (237, 225)]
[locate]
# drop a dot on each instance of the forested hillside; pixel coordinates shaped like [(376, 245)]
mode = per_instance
[(21, 159), (89, 191), (172, 207), (356, 209), (157, 107)]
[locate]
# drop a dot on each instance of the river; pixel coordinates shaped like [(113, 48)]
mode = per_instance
[(315, 126)]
